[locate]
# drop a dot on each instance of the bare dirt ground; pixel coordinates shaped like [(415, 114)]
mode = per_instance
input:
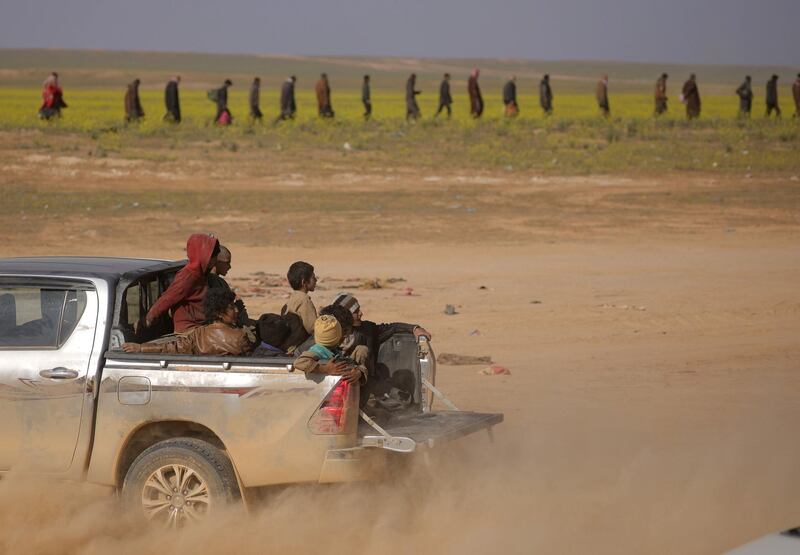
[(650, 323)]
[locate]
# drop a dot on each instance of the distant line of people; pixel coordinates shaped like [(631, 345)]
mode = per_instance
[(53, 98)]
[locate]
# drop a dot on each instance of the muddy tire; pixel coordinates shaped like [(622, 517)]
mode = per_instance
[(179, 481)]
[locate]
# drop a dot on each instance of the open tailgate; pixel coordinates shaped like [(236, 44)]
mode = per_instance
[(406, 433)]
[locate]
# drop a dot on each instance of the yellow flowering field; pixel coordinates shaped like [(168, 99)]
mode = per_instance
[(575, 139)]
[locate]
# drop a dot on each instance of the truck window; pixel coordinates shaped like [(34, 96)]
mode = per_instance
[(137, 300), (39, 317), (131, 308)]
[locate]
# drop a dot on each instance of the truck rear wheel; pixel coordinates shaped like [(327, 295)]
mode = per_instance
[(179, 481)]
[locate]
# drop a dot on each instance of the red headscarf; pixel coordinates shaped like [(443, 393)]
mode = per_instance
[(186, 293)]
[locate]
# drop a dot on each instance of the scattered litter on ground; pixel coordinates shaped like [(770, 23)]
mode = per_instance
[(475, 332), (623, 306), (462, 360), (536, 302), (371, 284), (450, 310), (483, 287), (495, 370), (407, 292)]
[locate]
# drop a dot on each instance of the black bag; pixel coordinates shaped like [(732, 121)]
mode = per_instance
[(272, 329), (297, 332)]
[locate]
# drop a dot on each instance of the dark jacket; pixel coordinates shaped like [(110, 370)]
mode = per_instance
[(365, 93), (660, 95), (772, 92), (288, 106), (222, 100), (691, 97), (254, 99), (133, 106), (372, 335), (172, 101), (188, 290), (745, 94), (444, 93), (475, 97), (601, 93), (661, 90), (510, 93), (411, 96), (545, 95), (212, 339)]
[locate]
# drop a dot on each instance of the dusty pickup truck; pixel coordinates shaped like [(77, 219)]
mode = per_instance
[(178, 435)]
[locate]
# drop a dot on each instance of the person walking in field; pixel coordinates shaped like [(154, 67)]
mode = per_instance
[(52, 98), (661, 94), (220, 97), (254, 99), (412, 109), (323, 90), (445, 99), (288, 105), (172, 100), (745, 94), (365, 98), (601, 93), (691, 97), (510, 97), (772, 97), (796, 95), (546, 95), (133, 106), (475, 97)]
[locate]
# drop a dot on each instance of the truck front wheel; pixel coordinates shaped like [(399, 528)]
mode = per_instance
[(179, 481)]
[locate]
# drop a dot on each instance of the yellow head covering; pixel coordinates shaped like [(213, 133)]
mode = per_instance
[(327, 331)]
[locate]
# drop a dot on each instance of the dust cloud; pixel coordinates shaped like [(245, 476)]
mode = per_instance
[(466, 498)]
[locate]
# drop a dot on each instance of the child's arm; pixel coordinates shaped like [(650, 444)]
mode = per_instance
[(308, 363)]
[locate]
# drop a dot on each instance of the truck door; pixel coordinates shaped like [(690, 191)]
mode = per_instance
[(47, 333)]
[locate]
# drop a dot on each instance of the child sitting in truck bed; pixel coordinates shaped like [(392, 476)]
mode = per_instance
[(302, 279), (325, 357), (369, 335)]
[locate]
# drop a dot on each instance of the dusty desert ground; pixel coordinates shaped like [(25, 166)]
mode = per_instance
[(651, 325)]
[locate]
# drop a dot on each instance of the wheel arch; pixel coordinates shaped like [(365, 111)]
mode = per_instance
[(153, 432)]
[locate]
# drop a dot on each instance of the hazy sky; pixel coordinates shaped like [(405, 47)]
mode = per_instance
[(684, 31)]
